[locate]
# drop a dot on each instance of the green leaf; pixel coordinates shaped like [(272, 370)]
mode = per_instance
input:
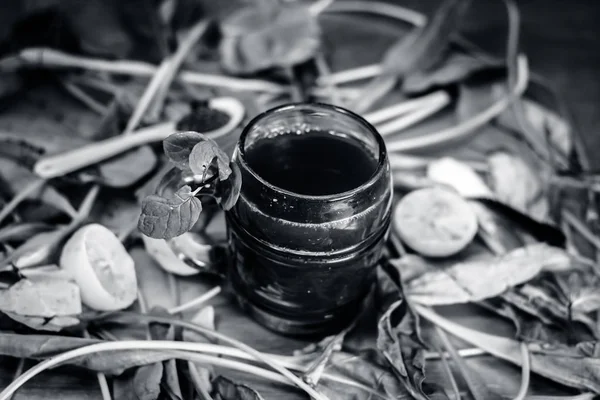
[(146, 382), (260, 38), (40, 347), (225, 389), (41, 249), (454, 68), (128, 168), (422, 48), (365, 369), (229, 190), (179, 145), (23, 231), (204, 154), (163, 218)]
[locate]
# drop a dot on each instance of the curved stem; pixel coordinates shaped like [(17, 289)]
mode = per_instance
[(133, 317), (525, 373), (469, 127)]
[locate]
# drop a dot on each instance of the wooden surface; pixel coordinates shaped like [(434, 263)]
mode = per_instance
[(562, 41)]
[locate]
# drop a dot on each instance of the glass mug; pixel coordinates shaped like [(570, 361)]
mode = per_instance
[(312, 219)]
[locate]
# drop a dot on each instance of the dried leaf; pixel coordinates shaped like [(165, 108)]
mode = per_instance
[(459, 176), (146, 382), (205, 318), (44, 346), (118, 171), (225, 389), (207, 153), (475, 97), (163, 218), (19, 178), (47, 297), (422, 48), (398, 335), (454, 68), (516, 184), (41, 249), (98, 27), (540, 231), (577, 366), (534, 330), (475, 280), (259, 38), (55, 324), (23, 231), (543, 121)]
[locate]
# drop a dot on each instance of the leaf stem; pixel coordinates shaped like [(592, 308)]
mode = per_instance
[(412, 118), (128, 316), (20, 196), (465, 353), (145, 345), (197, 382), (405, 107), (174, 64), (467, 128), (323, 69), (196, 302), (525, 373), (50, 58), (102, 382), (18, 371), (446, 365), (580, 227), (476, 388), (84, 98)]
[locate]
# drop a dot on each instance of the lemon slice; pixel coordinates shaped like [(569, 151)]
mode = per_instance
[(102, 268), (435, 222), (161, 251)]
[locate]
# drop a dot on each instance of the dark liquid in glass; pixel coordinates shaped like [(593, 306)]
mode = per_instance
[(309, 227), (313, 163)]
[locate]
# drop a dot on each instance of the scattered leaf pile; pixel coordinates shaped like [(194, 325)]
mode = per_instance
[(495, 214)]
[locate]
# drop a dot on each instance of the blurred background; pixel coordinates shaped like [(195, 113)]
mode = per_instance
[(561, 38)]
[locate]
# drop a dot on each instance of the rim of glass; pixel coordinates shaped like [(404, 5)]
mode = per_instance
[(381, 163)]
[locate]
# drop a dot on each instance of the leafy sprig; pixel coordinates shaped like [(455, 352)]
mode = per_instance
[(165, 216)]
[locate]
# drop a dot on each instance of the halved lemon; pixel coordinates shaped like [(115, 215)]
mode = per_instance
[(102, 268), (435, 222)]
